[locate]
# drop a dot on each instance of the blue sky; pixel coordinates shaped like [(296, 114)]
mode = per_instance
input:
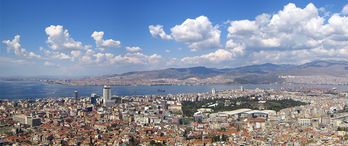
[(57, 35)]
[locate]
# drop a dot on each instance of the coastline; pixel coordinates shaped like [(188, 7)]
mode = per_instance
[(37, 89)]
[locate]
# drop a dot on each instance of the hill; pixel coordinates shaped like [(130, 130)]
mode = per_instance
[(315, 72)]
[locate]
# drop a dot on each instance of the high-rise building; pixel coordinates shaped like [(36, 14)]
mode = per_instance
[(94, 98), (76, 94), (107, 96), (213, 91), (106, 93)]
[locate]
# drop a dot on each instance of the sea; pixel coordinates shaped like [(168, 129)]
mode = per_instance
[(36, 89)]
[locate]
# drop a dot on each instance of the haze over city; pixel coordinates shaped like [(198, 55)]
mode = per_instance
[(77, 38)]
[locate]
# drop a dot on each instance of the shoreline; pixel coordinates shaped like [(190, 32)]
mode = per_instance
[(36, 89)]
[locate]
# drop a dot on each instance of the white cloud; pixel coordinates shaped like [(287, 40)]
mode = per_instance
[(59, 38), (290, 28), (55, 54), (104, 57), (337, 27), (137, 58), (65, 50), (297, 56), (15, 46), (75, 53), (154, 58), (198, 33), (243, 27), (157, 30), (236, 48), (293, 33), (345, 9), (133, 49), (290, 35), (218, 56), (101, 43), (60, 55), (282, 57)]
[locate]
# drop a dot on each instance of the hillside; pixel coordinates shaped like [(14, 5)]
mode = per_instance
[(316, 72)]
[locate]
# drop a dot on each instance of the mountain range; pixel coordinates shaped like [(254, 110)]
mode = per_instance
[(315, 72)]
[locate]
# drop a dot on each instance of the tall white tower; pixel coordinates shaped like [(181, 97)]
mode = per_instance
[(106, 93)]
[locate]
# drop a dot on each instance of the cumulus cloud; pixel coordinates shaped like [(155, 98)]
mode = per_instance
[(219, 56), (129, 58), (133, 49), (154, 58), (290, 28), (297, 56), (345, 9), (55, 55), (92, 57), (15, 46), (59, 38), (101, 43), (198, 33), (139, 58), (75, 53), (157, 31), (65, 50), (60, 55), (281, 57), (292, 34)]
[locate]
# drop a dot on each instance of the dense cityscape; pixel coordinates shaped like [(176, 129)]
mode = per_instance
[(316, 117)]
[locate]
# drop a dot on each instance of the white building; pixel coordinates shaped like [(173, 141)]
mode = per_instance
[(107, 92), (107, 96), (213, 91), (24, 119), (304, 122)]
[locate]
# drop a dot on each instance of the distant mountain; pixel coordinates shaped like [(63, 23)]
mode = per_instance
[(262, 68), (323, 63), (327, 68), (179, 73), (312, 72)]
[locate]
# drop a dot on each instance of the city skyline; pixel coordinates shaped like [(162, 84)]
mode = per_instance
[(181, 73), (66, 38)]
